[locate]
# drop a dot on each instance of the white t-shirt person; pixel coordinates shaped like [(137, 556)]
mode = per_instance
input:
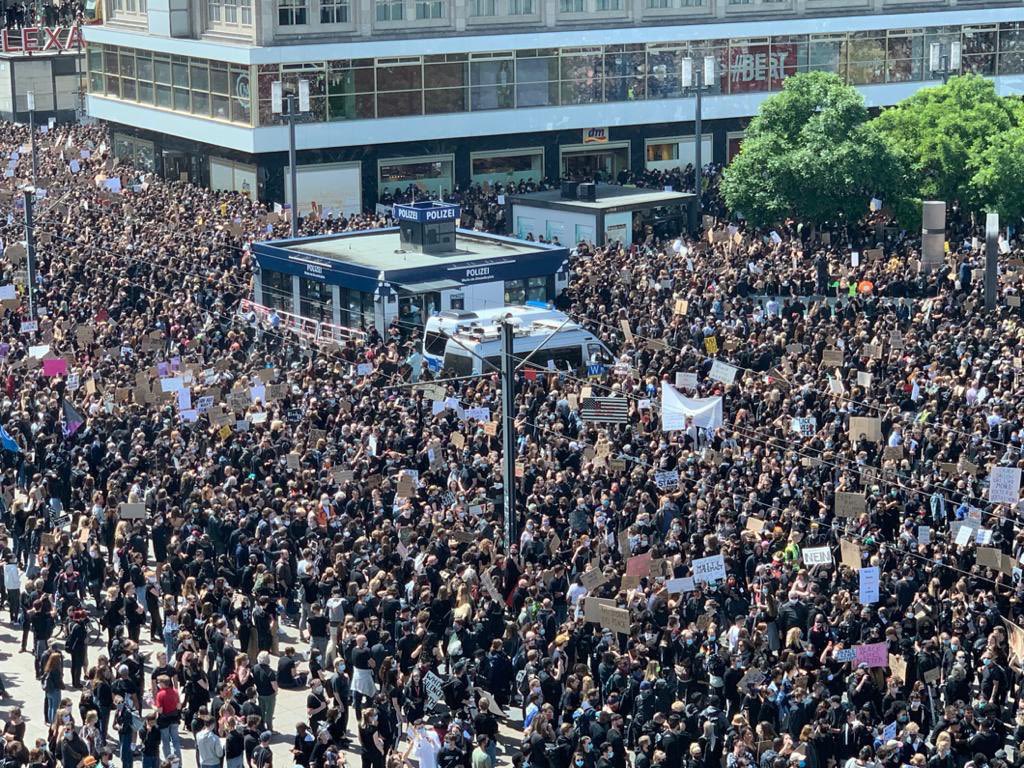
[(424, 746)]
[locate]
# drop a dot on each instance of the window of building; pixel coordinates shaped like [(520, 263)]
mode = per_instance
[(530, 289), (315, 300), (445, 77), (356, 308), (291, 13), (507, 167), (657, 4), (214, 11), (482, 7), (659, 153), (608, 5), (429, 9), (520, 8), (390, 10), (570, 6), (334, 11), (492, 79), (277, 290)]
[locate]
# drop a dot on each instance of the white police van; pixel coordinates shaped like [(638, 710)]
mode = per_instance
[(469, 342)]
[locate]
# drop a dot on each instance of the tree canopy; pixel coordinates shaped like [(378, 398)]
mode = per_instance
[(944, 136), (811, 153)]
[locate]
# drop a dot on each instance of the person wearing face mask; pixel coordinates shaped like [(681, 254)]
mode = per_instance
[(73, 748), (370, 740), (943, 757), (993, 680), (316, 703), (606, 758), (450, 755), (919, 713)]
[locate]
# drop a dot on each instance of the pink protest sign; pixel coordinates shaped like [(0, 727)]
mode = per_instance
[(55, 366), (640, 565), (873, 654)]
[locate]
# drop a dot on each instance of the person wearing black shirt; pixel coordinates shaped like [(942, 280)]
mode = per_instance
[(288, 676), (316, 704), (149, 737), (302, 745), (234, 743), (265, 680), (370, 740), (77, 644), (319, 629)]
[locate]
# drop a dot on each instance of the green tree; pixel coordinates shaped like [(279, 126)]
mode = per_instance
[(940, 135), (812, 154), (999, 179)]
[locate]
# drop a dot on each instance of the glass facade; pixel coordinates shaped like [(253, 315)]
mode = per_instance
[(360, 89)]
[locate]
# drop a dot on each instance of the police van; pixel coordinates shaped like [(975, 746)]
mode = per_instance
[(469, 342)]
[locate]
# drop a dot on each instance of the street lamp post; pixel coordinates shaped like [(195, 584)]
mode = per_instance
[(30, 102), (291, 106), (944, 60), (698, 78)]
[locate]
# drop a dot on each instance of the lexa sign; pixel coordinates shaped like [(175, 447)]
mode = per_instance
[(33, 39)]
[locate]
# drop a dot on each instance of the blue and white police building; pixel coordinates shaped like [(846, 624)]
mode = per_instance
[(426, 264)]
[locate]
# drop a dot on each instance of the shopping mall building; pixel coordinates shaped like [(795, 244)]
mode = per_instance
[(441, 93)]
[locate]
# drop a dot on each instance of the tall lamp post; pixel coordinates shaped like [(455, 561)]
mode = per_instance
[(944, 60), (698, 78), (291, 106), (30, 102)]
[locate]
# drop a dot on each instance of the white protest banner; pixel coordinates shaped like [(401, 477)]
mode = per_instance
[(1004, 485), (679, 586), (667, 480), (709, 569), (869, 583), (703, 412), (686, 380), (722, 372), (817, 556)]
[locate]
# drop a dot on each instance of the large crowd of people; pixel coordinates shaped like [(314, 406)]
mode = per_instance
[(789, 587)]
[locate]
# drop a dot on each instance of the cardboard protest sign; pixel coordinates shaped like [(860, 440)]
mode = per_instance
[(615, 619), (134, 511), (833, 358), (592, 608), (1004, 485), (848, 504), (898, 667), (870, 577), (868, 426), (817, 556), (989, 557), (849, 553), (709, 569), (873, 654), (639, 565), (492, 590), (593, 578), (680, 585)]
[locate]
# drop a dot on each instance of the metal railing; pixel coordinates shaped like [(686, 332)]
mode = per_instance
[(306, 328)]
